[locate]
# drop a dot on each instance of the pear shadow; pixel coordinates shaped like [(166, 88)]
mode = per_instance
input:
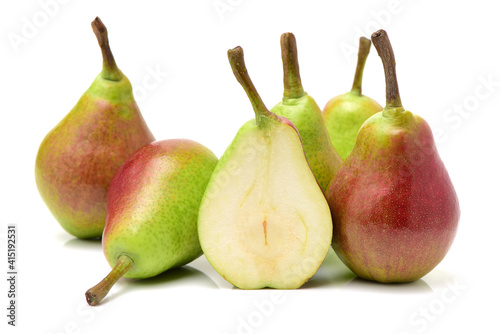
[(62, 236), (174, 276), (234, 287), (169, 279), (439, 279), (84, 244), (337, 280), (332, 273), (416, 287)]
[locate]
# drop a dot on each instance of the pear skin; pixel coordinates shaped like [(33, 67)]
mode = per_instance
[(153, 203), (78, 158), (395, 211)]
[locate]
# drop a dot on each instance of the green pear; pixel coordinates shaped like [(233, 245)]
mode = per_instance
[(78, 158), (153, 203), (344, 114), (264, 221), (301, 109), (395, 211)]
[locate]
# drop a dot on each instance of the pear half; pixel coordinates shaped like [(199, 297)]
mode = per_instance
[(264, 221)]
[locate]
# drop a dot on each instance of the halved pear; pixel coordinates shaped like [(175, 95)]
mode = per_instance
[(264, 221)]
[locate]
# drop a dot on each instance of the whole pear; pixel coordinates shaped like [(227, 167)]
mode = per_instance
[(344, 114), (301, 109), (153, 203), (78, 158), (264, 221), (394, 209)]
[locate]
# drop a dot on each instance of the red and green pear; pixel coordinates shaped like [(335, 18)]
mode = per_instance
[(78, 158), (394, 208), (153, 203)]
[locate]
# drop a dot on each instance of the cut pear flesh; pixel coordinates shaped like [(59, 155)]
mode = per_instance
[(264, 221)]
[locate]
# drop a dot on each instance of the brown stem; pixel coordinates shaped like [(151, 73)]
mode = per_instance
[(383, 45), (109, 69), (363, 51), (237, 61), (291, 73), (97, 293)]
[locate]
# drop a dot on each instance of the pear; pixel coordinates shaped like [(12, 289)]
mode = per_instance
[(153, 202), (264, 221), (301, 109), (344, 114), (395, 211), (78, 158)]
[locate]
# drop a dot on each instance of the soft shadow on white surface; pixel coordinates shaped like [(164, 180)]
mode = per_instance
[(84, 244), (332, 273), (185, 276), (62, 236), (359, 284)]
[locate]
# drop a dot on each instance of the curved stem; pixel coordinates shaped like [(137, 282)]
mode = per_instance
[(291, 74), (384, 49), (95, 294), (363, 51), (109, 69), (237, 61)]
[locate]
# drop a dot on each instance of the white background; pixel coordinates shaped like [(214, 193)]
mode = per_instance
[(445, 51)]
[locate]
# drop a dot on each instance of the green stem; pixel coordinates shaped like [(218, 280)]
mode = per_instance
[(109, 69), (291, 74), (363, 51), (95, 294), (237, 61), (383, 45)]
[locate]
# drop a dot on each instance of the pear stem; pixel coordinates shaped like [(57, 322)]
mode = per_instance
[(383, 45), (237, 61), (291, 74), (363, 51), (95, 294), (109, 69)]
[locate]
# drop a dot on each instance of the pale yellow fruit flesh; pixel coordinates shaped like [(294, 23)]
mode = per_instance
[(265, 221)]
